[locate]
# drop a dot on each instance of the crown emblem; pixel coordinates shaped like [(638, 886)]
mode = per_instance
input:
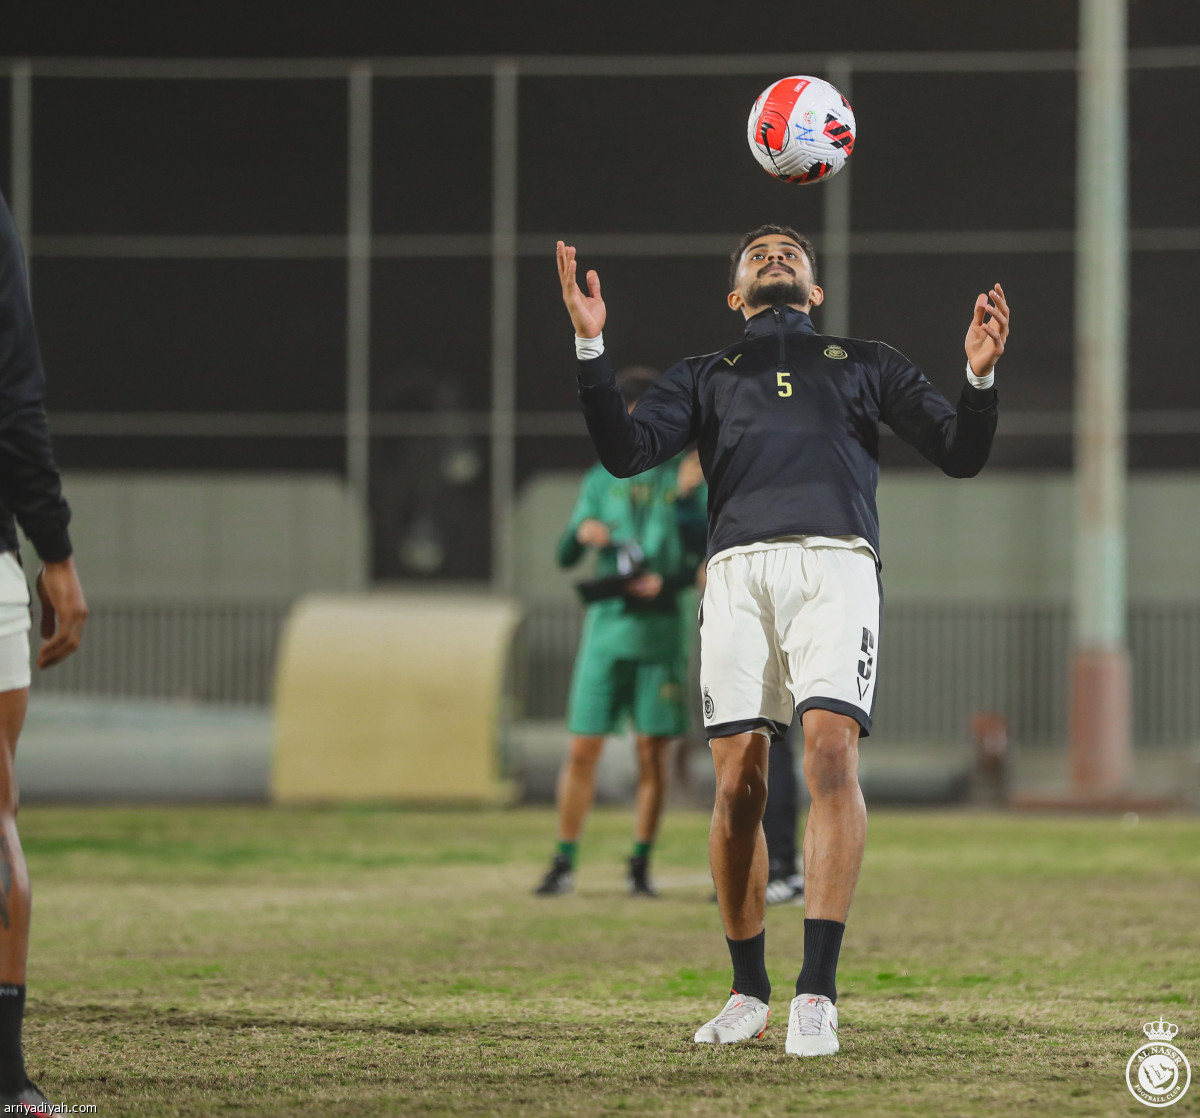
[(1160, 1029)]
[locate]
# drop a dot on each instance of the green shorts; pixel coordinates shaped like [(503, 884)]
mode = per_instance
[(605, 693)]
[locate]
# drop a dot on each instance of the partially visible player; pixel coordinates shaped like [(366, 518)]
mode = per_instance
[(785, 878), (648, 533), (787, 424), (30, 493)]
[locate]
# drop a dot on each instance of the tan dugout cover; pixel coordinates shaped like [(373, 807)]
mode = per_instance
[(391, 698)]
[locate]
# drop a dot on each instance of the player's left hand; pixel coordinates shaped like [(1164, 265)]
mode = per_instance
[(646, 586), (988, 332), (63, 612)]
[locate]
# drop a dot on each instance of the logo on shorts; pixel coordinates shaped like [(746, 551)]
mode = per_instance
[(867, 664), (709, 706), (1158, 1074), (836, 352)]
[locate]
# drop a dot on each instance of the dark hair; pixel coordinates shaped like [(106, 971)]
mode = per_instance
[(735, 258), (634, 381)]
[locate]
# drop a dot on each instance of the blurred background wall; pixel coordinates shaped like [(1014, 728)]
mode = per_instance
[(293, 281)]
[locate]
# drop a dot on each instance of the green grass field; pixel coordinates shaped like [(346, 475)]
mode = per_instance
[(271, 962)]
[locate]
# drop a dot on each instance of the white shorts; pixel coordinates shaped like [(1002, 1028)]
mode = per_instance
[(14, 624), (787, 628)]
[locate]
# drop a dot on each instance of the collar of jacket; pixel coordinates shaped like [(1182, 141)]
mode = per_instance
[(794, 322)]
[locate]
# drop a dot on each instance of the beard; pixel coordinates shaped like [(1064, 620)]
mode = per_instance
[(779, 291)]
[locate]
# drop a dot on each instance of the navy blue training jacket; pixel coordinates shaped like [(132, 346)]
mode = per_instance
[(787, 425)]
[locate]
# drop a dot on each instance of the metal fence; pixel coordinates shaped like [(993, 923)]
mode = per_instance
[(940, 664), (210, 651), (365, 241)]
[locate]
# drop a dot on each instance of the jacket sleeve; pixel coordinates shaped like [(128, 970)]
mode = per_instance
[(659, 428), (956, 440), (29, 483), (570, 550)]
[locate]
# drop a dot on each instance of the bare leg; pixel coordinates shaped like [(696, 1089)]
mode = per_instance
[(14, 878), (737, 848), (836, 833), (577, 786), (653, 755)]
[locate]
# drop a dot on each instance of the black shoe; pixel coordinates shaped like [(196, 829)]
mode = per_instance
[(638, 878), (560, 879), (786, 890), (27, 1101)]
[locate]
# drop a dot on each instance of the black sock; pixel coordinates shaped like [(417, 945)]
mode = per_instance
[(822, 942), (12, 1061), (750, 966)]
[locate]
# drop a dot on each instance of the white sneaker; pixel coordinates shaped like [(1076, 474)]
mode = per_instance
[(812, 1026), (786, 890), (743, 1018)]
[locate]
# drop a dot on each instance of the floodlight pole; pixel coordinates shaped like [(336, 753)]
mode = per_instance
[(358, 289), (504, 322), (1100, 730)]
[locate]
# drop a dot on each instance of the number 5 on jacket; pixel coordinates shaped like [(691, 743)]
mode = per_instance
[(785, 385)]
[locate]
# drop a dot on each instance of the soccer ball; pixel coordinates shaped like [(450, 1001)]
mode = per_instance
[(801, 129)]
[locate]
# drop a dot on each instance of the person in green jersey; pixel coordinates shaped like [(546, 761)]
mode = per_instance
[(648, 533)]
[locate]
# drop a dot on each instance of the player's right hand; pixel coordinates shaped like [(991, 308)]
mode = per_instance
[(646, 586), (587, 311), (593, 533), (63, 612)]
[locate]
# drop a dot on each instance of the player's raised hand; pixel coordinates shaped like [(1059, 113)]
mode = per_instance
[(988, 332), (587, 311)]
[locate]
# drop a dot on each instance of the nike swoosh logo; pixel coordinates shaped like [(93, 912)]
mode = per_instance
[(733, 362)]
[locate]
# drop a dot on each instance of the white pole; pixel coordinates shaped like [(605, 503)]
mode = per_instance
[(358, 287), (1101, 754), (504, 321)]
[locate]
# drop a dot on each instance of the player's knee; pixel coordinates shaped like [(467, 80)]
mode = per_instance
[(742, 794), (652, 755), (584, 752), (830, 762), (8, 787)]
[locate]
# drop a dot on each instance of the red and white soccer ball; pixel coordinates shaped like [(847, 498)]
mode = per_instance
[(801, 129)]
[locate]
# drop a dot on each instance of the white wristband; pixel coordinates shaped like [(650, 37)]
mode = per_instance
[(586, 349), (980, 382)]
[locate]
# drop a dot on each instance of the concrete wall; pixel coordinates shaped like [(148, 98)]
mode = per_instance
[(1003, 537), (214, 535)]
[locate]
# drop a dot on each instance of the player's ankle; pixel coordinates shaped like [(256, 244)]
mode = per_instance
[(750, 967), (822, 945), (12, 1061)]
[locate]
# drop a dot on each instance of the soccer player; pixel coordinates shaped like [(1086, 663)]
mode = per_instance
[(632, 658), (787, 424), (31, 494)]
